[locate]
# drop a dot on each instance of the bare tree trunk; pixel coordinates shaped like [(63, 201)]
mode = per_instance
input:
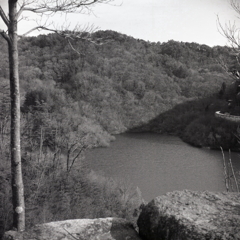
[(16, 168)]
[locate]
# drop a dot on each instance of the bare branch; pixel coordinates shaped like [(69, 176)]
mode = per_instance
[(4, 17), (224, 65), (50, 7), (21, 7), (77, 155), (74, 49), (70, 234), (78, 33), (233, 172), (34, 29), (5, 36), (67, 6), (226, 174), (231, 32), (235, 5)]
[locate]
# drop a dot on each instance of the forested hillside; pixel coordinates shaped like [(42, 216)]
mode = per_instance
[(75, 96), (114, 86)]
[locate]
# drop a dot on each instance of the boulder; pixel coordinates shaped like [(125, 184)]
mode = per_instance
[(185, 215), (80, 229)]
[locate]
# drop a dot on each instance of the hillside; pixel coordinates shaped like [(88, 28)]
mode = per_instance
[(75, 97), (111, 87), (194, 122)]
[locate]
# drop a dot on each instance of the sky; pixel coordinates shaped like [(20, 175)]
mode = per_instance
[(153, 20)]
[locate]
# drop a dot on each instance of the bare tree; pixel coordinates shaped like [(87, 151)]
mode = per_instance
[(16, 8), (230, 30)]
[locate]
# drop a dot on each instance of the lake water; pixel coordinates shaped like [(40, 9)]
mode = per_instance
[(158, 164)]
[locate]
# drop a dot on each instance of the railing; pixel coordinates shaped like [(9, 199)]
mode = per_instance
[(227, 116)]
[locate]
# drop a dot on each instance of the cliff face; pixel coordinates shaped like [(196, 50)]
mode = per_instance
[(185, 215), (179, 215)]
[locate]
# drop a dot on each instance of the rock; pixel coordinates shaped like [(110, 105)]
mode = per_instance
[(189, 215), (81, 229), (13, 235)]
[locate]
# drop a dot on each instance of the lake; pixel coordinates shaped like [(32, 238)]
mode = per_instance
[(158, 164)]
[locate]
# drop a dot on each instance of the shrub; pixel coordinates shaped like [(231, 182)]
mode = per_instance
[(52, 193), (211, 132)]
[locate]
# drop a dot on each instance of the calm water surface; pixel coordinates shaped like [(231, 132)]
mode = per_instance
[(158, 164)]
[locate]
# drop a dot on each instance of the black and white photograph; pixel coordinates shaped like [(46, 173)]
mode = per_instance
[(119, 119)]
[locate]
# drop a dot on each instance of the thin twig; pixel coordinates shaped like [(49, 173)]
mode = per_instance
[(70, 234), (233, 173), (4, 17), (225, 170)]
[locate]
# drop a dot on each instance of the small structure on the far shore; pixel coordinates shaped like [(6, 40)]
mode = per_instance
[(228, 117), (232, 111)]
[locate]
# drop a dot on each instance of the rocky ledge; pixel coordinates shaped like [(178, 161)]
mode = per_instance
[(80, 229), (189, 215), (179, 215)]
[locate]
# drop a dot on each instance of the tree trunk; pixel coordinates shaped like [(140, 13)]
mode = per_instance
[(16, 167)]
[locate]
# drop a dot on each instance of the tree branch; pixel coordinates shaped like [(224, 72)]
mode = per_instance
[(77, 33), (24, 4), (67, 6), (77, 155), (231, 32), (34, 29), (223, 64), (5, 36), (235, 5), (4, 17)]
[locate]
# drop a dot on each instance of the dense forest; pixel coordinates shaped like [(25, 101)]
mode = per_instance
[(111, 87), (75, 96)]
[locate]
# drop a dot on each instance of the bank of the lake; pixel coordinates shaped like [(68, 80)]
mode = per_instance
[(159, 163)]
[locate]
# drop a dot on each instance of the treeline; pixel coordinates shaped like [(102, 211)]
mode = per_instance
[(75, 96), (112, 86), (194, 122)]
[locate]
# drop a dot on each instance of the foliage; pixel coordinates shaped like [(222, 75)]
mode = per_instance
[(195, 122), (120, 84), (53, 193), (213, 132), (71, 102)]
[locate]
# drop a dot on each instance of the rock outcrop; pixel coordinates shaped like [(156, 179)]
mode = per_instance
[(80, 229), (179, 215), (189, 215)]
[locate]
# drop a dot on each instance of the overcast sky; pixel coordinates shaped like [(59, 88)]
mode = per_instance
[(156, 20)]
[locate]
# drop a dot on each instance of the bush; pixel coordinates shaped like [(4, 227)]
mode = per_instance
[(52, 193), (209, 131)]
